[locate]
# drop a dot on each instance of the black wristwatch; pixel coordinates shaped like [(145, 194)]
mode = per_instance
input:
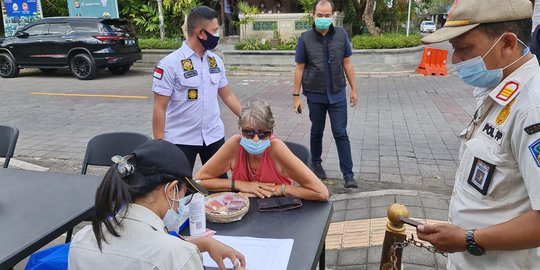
[(472, 247)]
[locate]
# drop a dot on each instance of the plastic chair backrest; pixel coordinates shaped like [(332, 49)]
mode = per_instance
[(8, 141), (300, 151), (102, 147)]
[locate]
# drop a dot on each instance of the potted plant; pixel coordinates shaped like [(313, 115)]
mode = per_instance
[(276, 37), (246, 13)]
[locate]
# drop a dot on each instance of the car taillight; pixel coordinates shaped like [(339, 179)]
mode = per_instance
[(108, 38)]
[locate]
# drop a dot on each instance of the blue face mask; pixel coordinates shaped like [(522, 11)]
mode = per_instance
[(475, 73), (323, 23), (210, 42), (173, 219), (253, 147)]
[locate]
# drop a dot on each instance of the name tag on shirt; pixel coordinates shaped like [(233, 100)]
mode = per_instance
[(215, 70), (490, 131), (190, 74), (481, 175)]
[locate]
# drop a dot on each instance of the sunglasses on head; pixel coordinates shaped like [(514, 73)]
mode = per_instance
[(188, 195), (250, 134)]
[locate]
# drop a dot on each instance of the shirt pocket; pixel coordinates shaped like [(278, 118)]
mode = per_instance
[(500, 185), (184, 85), (215, 78)]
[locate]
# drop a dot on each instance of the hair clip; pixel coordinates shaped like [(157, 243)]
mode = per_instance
[(124, 167)]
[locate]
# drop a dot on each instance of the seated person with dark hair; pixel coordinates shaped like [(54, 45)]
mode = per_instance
[(139, 199), (261, 164)]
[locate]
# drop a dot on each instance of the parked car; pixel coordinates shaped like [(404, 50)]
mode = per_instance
[(427, 26), (82, 44)]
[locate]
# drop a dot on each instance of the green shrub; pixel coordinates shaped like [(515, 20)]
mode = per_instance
[(386, 41), (288, 45), (156, 43), (252, 43)]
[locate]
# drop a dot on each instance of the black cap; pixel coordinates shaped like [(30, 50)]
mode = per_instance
[(160, 156)]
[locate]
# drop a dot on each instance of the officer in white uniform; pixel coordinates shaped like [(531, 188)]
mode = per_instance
[(186, 85), (494, 211)]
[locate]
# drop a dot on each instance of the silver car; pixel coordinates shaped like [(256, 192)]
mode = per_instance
[(427, 26)]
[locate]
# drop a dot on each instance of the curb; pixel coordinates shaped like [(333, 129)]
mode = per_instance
[(19, 164), (231, 72), (379, 193)]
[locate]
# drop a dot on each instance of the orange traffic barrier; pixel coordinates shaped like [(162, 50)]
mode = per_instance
[(433, 62)]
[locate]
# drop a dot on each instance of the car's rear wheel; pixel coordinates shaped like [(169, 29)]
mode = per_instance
[(48, 70), (8, 68), (83, 67), (120, 70)]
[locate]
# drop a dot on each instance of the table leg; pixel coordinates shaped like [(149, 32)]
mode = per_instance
[(322, 258), (68, 235)]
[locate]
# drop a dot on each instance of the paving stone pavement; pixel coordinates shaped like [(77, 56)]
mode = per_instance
[(402, 132)]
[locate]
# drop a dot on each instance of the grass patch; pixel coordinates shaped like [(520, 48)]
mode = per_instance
[(156, 43), (386, 41)]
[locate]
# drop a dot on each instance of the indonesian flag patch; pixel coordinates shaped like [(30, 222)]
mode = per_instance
[(158, 73)]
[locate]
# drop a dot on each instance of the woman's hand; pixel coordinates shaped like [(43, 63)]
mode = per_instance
[(219, 252), (261, 190)]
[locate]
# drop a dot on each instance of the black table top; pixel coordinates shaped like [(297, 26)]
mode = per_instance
[(307, 225), (37, 207)]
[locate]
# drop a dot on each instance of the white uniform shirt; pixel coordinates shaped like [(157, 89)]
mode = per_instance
[(500, 158), (143, 244), (192, 83)]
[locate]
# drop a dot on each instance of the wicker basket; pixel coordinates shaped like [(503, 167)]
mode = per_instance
[(225, 207)]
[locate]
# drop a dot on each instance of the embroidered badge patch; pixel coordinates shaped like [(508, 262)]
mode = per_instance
[(509, 89), (187, 64), (535, 151), (158, 73), (504, 113), (480, 175), (193, 94), (533, 129), (213, 65), (212, 61)]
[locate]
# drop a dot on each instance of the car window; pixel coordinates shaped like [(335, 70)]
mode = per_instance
[(35, 30), (429, 23), (84, 26), (116, 26), (57, 28)]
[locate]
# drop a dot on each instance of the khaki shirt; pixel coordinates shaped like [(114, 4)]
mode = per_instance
[(498, 177), (143, 244)]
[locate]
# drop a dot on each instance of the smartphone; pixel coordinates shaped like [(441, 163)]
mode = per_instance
[(409, 221), (299, 110)]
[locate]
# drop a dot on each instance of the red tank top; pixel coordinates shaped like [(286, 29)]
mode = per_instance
[(266, 173)]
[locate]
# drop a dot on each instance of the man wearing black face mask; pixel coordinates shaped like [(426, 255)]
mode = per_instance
[(186, 85), (494, 213)]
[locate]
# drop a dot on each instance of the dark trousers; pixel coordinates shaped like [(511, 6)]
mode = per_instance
[(338, 122), (205, 152)]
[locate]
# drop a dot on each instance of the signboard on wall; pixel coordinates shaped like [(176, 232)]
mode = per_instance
[(18, 13), (93, 8)]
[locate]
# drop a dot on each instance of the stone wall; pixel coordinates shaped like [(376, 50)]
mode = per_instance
[(385, 60), (365, 61)]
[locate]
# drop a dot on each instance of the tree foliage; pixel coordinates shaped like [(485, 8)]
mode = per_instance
[(435, 7), (53, 8)]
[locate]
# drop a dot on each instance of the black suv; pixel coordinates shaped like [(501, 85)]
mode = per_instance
[(82, 44)]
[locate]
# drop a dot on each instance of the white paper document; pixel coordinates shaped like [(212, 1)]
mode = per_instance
[(260, 253)]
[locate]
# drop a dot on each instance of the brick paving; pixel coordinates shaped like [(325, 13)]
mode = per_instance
[(403, 137)]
